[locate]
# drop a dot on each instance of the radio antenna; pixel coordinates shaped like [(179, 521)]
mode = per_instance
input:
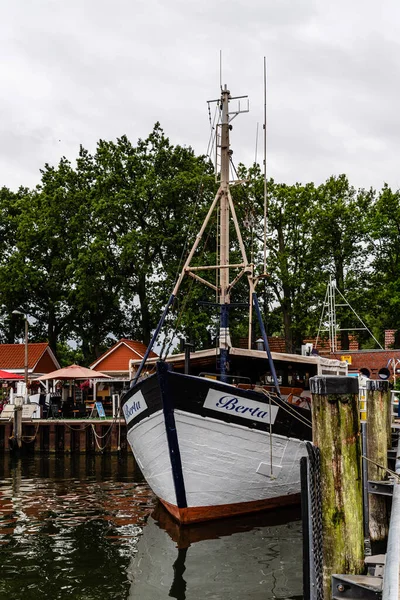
[(256, 151), (265, 167), (220, 69)]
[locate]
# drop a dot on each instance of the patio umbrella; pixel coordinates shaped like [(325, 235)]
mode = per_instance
[(73, 372), (8, 376)]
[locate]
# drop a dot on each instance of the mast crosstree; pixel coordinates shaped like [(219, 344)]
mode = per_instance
[(224, 204)]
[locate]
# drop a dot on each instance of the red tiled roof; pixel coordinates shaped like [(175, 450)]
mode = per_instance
[(12, 356), (137, 347), (115, 359)]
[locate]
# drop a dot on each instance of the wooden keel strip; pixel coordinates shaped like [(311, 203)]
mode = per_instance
[(197, 514)]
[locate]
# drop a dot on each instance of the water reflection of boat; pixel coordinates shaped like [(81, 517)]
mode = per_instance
[(257, 557)]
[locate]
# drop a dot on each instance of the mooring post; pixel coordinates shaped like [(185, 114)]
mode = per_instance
[(390, 398), (18, 425), (336, 432), (378, 399)]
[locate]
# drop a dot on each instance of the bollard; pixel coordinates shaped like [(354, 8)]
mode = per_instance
[(388, 394), (378, 400), (336, 432), (18, 425)]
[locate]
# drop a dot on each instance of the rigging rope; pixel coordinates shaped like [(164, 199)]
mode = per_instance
[(28, 439), (210, 143), (292, 411), (167, 346), (393, 473)]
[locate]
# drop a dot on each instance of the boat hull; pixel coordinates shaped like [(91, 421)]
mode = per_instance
[(206, 462), (199, 514)]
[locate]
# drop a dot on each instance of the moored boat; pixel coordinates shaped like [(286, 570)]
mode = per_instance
[(219, 445), (209, 449)]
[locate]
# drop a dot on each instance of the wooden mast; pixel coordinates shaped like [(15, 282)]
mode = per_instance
[(224, 296)]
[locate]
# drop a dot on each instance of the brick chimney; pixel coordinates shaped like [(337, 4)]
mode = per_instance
[(389, 338)]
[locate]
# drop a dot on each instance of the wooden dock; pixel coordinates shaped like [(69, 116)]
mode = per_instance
[(67, 436)]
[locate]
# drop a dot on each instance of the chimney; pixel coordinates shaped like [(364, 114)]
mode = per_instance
[(389, 338)]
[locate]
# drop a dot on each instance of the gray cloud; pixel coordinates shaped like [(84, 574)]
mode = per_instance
[(79, 71)]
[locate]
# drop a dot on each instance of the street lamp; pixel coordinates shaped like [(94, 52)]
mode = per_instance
[(18, 312)]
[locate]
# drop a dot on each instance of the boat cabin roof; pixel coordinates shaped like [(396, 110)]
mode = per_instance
[(203, 358)]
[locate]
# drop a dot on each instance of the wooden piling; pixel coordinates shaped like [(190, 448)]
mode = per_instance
[(82, 436), (64, 436), (60, 433), (44, 438), (90, 441), (336, 431), (67, 439), (18, 425), (96, 433), (114, 438), (106, 437), (52, 437), (378, 400)]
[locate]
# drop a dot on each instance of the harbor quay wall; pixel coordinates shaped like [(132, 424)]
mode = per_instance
[(77, 436)]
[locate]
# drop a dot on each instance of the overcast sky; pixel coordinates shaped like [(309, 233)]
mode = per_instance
[(74, 72)]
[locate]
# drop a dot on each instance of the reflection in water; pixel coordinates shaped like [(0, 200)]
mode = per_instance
[(69, 526), (178, 587), (79, 528), (256, 557)]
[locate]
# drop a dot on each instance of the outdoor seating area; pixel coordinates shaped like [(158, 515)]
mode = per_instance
[(47, 406), (68, 393), (32, 375)]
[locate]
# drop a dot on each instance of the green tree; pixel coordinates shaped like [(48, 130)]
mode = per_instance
[(384, 251), (145, 199), (339, 235), (291, 270), (13, 292)]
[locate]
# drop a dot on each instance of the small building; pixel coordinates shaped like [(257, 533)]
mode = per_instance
[(115, 363), (374, 364), (41, 359), (381, 363)]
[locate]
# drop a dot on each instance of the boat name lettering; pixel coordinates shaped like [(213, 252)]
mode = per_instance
[(243, 407), (134, 406), (231, 403)]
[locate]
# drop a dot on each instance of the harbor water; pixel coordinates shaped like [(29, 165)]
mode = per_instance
[(88, 527)]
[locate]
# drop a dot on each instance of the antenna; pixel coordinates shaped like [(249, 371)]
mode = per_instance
[(329, 314), (265, 167), (220, 69), (256, 152)]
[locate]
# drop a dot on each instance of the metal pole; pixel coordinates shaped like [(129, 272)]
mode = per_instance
[(188, 348), (392, 567), (266, 345), (153, 339), (365, 479), (265, 168), (26, 359)]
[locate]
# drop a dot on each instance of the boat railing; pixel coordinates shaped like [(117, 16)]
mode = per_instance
[(232, 379), (391, 577)]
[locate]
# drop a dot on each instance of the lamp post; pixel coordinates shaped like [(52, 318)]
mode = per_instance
[(18, 312)]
